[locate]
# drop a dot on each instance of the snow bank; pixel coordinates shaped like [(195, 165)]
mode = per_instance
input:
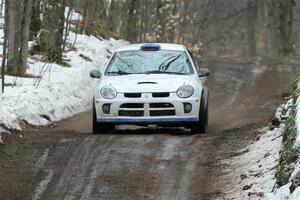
[(253, 173), (298, 119), (62, 91), (284, 192)]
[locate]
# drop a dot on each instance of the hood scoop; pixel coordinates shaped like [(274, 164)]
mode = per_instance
[(147, 82)]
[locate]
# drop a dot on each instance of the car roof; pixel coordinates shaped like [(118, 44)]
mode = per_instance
[(163, 46)]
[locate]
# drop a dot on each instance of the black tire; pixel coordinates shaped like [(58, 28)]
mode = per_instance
[(200, 127), (100, 128)]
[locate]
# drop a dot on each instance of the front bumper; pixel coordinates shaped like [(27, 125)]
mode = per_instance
[(148, 114)]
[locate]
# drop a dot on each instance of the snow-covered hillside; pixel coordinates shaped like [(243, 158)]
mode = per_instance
[(62, 91)]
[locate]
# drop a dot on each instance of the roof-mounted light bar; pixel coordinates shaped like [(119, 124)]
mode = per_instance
[(151, 47)]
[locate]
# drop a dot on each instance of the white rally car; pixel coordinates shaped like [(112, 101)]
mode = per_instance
[(151, 84)]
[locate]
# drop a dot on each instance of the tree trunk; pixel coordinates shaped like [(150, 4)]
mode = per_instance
[(19, 17), (1, 8), (4, 47), (14, 27), (25, 36)]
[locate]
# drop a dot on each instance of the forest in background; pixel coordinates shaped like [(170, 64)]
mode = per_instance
[(210, 28)]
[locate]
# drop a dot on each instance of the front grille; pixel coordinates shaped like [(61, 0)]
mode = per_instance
[(161, 105), (132, 105), (131, 113), (145, 109), (132, 95), (131, 110), (156, 113), (160, 94), (161, 109)]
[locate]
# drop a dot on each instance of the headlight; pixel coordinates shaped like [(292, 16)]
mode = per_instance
[(108, 92), (185, 91)]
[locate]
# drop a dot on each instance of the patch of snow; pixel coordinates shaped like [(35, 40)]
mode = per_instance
[(169, 148), (65, 140), (185, 182), (74, 15), (41, 161), (38, 192), (284, 111), (2, 131), (259, 69), (296, 170), (62, 91), (283, 193)]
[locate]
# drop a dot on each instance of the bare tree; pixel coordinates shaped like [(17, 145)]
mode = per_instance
[(251, 26), (4, 49), (279, 16), (131, 28), (51, 38), (36, 23), (69, 14)]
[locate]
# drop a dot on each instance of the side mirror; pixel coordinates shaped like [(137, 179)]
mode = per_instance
[(95, 74), (203, 72)]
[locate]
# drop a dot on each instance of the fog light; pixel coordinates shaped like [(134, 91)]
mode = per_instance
[(187, 107), (106, 108)]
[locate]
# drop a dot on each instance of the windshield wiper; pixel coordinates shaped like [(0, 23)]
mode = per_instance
[(119, 73), (165, 66), (162, 72)]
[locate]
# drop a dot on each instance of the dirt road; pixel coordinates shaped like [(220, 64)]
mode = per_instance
[(68, 162)]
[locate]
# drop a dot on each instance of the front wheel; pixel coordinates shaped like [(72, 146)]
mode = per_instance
[(100, 128), (200, 127)]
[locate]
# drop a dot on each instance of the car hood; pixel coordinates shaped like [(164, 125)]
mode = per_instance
[(146, 82)]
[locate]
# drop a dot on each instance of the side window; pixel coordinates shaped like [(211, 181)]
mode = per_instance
[(194, 61)]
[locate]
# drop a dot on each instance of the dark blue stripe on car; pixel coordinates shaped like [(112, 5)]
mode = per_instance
[(124, 120)]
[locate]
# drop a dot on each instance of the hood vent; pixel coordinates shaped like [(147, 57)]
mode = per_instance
[(148, 82)]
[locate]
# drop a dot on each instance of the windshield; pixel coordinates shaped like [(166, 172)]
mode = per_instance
[(150, 62)]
